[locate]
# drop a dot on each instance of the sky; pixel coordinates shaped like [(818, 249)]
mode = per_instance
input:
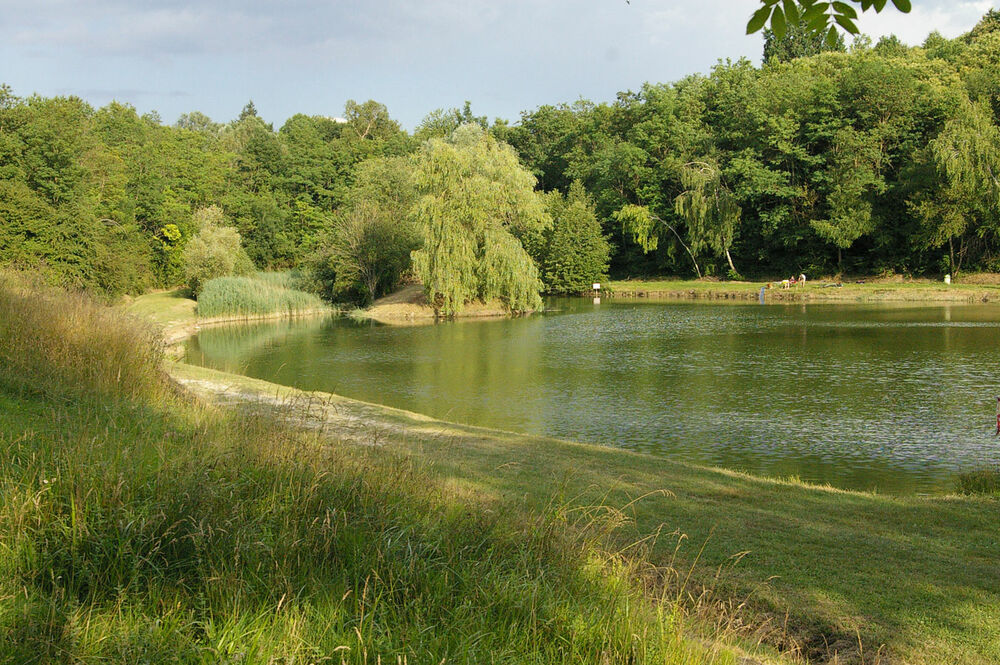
[(311, 56)]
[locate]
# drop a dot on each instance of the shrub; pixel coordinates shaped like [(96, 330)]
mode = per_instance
[(215, 251)]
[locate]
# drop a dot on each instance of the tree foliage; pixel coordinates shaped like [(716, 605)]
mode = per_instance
[(477, 211), (798, 42), (852, 174), (214, 251), (819, 16), (111, 194), (882, 158), (710, 209), (441, 124), (370, 245), (576, 251)]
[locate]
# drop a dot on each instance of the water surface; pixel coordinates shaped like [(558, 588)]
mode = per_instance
[(887, 397)]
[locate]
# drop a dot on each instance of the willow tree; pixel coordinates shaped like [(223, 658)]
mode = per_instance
[(646, 229), (965, 158), (710, 210), (477, 211)]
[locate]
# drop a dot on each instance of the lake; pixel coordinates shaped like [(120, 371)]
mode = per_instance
[(887, 397)]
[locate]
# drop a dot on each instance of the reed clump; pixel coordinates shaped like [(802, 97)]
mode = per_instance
[(168, 530), (984, 481), (262, 294)]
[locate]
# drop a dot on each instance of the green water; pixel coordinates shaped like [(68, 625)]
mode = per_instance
[(893, 398)]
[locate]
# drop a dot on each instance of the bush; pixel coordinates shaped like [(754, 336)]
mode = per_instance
[(215, 251), (258, 295)]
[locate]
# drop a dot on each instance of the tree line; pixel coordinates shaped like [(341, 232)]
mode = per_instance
[(824, 159)]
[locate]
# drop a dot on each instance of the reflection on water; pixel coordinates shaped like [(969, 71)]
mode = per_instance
[(896, 398)]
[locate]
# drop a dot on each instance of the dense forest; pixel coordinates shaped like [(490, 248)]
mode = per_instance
[(824, 159)]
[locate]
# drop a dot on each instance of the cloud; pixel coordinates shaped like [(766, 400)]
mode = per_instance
[(311, 55), (950, 18), (176, 28)]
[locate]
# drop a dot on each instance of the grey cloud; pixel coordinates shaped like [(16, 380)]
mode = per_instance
[(152, 29)]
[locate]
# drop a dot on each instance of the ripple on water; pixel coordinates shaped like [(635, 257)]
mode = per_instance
[(895, 398)]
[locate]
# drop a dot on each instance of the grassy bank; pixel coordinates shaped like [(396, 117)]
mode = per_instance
[(140, 525), (975, 289), (175, 527), (813, 570)]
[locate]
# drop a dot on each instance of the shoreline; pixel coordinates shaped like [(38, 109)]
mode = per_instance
[(407, 306), (783, 527), (820, 291), (175, 334), (175, 315)]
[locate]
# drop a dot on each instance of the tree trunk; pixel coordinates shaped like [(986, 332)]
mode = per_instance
[(681, 241), (951, 255), (731, 266)]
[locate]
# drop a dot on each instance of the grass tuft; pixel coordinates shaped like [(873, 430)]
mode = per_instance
[(64, 344), (985, 482)]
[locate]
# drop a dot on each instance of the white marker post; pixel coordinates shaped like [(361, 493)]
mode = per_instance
[(597, 293)]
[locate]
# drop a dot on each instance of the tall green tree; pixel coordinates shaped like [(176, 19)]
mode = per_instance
[(441, 123), (710, 209), (369, 247), (853, 176), (798, 42), (476, 202), (965, 158), (576, 251)]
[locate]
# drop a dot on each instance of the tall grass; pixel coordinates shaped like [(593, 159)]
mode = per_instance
[(261, 294), (288, 279), (61, 343), (984, 481), (171, 531)]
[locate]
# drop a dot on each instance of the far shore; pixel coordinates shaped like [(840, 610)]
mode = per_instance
[(176, 313), (972, 289), (408, 306)]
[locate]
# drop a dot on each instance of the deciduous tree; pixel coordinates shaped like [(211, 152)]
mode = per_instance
[(477, 205), (576, 252)]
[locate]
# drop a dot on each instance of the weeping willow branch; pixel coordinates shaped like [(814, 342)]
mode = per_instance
[(709, 208), (644, 228)]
